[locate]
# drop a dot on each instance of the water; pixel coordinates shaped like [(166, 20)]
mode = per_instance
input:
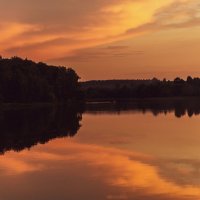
[(145, 150)]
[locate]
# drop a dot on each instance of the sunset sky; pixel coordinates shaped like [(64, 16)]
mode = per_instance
[(105, 39)]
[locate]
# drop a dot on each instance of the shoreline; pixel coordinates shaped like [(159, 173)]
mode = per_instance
[(5, 106), (104, 100)]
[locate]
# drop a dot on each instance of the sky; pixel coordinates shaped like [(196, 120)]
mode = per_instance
[(105, 39)]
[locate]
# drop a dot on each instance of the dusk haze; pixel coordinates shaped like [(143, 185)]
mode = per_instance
[(100, 99), (105, 39)]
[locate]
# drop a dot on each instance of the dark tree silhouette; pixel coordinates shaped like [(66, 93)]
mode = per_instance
[(24, 81), (131, 89)]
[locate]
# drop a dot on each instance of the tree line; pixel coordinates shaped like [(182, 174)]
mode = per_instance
[(25, 81), (126, 89)]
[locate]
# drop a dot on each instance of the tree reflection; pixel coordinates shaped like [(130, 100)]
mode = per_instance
[(25, 128), (180, 106)]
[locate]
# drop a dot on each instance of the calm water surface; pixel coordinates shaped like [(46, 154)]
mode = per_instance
[(128, 153)]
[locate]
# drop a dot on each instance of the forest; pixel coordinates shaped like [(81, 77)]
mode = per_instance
[(25, 81), (134, 89)]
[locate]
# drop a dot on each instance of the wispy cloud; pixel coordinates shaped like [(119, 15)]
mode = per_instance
[(73, 30), (179, 14), (92, 54)]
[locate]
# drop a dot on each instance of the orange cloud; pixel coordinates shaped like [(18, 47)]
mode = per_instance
[(64, 27)]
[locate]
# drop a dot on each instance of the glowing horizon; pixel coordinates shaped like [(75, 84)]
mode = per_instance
[(106, 39)]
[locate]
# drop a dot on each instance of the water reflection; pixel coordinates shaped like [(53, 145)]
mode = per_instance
[(180, 107), (24, 128), (84, 171), (134, 155)]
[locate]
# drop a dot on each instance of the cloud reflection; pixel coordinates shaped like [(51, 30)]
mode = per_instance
[(135, 173)]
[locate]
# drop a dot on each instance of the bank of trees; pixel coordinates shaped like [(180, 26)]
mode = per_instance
[(125, 89), (24, 81)]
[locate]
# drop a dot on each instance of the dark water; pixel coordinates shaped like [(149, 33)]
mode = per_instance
[(139, 150)]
